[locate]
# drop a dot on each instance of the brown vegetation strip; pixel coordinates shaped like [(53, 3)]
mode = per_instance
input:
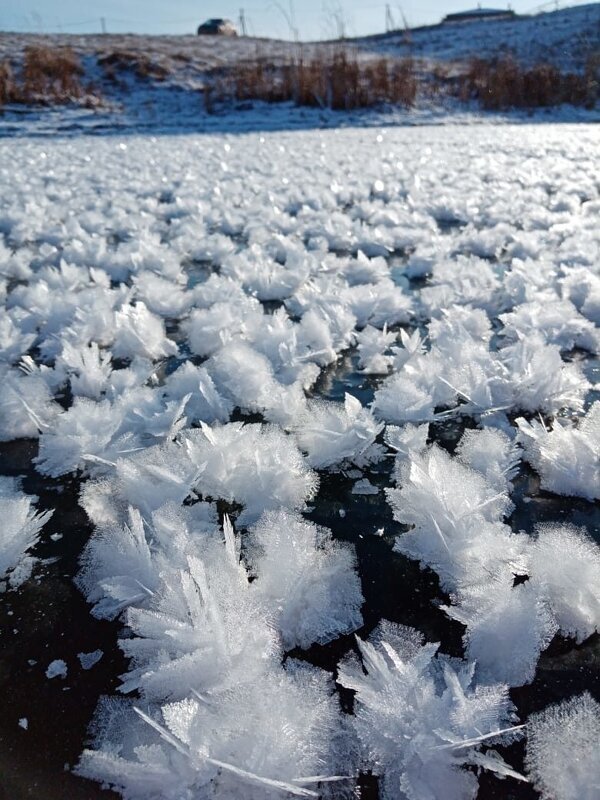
[(336, 80), (505, 84)]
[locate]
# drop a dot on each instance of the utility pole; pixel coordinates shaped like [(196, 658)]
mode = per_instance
[(243, 22), (103, 24), (389, 20), (338, 16), (404, 20)]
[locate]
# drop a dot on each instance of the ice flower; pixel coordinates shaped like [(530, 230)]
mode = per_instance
[(331, 432), (562, 744), (421, 719)]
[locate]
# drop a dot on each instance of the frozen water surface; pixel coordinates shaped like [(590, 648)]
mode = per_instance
[(300, 452)]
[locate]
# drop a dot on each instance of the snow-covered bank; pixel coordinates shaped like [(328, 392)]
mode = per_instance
[(182, 118), (167, 84)]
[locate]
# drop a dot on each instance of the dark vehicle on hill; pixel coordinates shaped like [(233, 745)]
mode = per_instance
[(217, 27)]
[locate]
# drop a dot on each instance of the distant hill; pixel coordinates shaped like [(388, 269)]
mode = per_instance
[(564, 38)]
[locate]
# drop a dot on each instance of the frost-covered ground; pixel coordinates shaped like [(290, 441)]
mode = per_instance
[(311, 419)]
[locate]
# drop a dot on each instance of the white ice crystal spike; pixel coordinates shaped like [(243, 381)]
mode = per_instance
[(461, 369), (307, 582), (161, 296), (147, 479), (138, 332), (372, 346), (582, 288), (448, 505), (138, 767), (232, 543), (540, 380), (88, 367), (400, 400), (567, 457), (211, 328), (491, 453), (203, 626), (405, 717), (494, 763), (562, 749), (245, 377), (378, 304), (459, 323), (331, 433), (86, 429), (203, 402), (255, 465), (255, 738), (507, 628), (26, 405), (20, 531), (557, 322), (13, 342), (406, 439), (565, 560), (265, 278), (117, 569), (412, 346)]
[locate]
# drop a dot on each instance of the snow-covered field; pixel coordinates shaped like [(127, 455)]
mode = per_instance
[(263, 392)]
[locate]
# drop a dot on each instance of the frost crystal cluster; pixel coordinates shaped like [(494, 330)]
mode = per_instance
[(230, 347)]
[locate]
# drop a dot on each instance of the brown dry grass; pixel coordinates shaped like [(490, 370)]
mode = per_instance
[(505, 84), (47, 77), (127, 60), (338, 81), (7, 83), (53, 75)]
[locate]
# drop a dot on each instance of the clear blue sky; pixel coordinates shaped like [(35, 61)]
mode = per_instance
[(314, 19)]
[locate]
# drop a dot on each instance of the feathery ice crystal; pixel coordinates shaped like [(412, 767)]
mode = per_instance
[(215, 327)]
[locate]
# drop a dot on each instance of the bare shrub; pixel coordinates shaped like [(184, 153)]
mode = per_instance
[(505, 84), (50, 75), (128, 60), (8, 88), (46, 76), (338, 81)]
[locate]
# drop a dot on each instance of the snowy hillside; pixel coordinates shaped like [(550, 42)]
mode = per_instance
[(565, 38)]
